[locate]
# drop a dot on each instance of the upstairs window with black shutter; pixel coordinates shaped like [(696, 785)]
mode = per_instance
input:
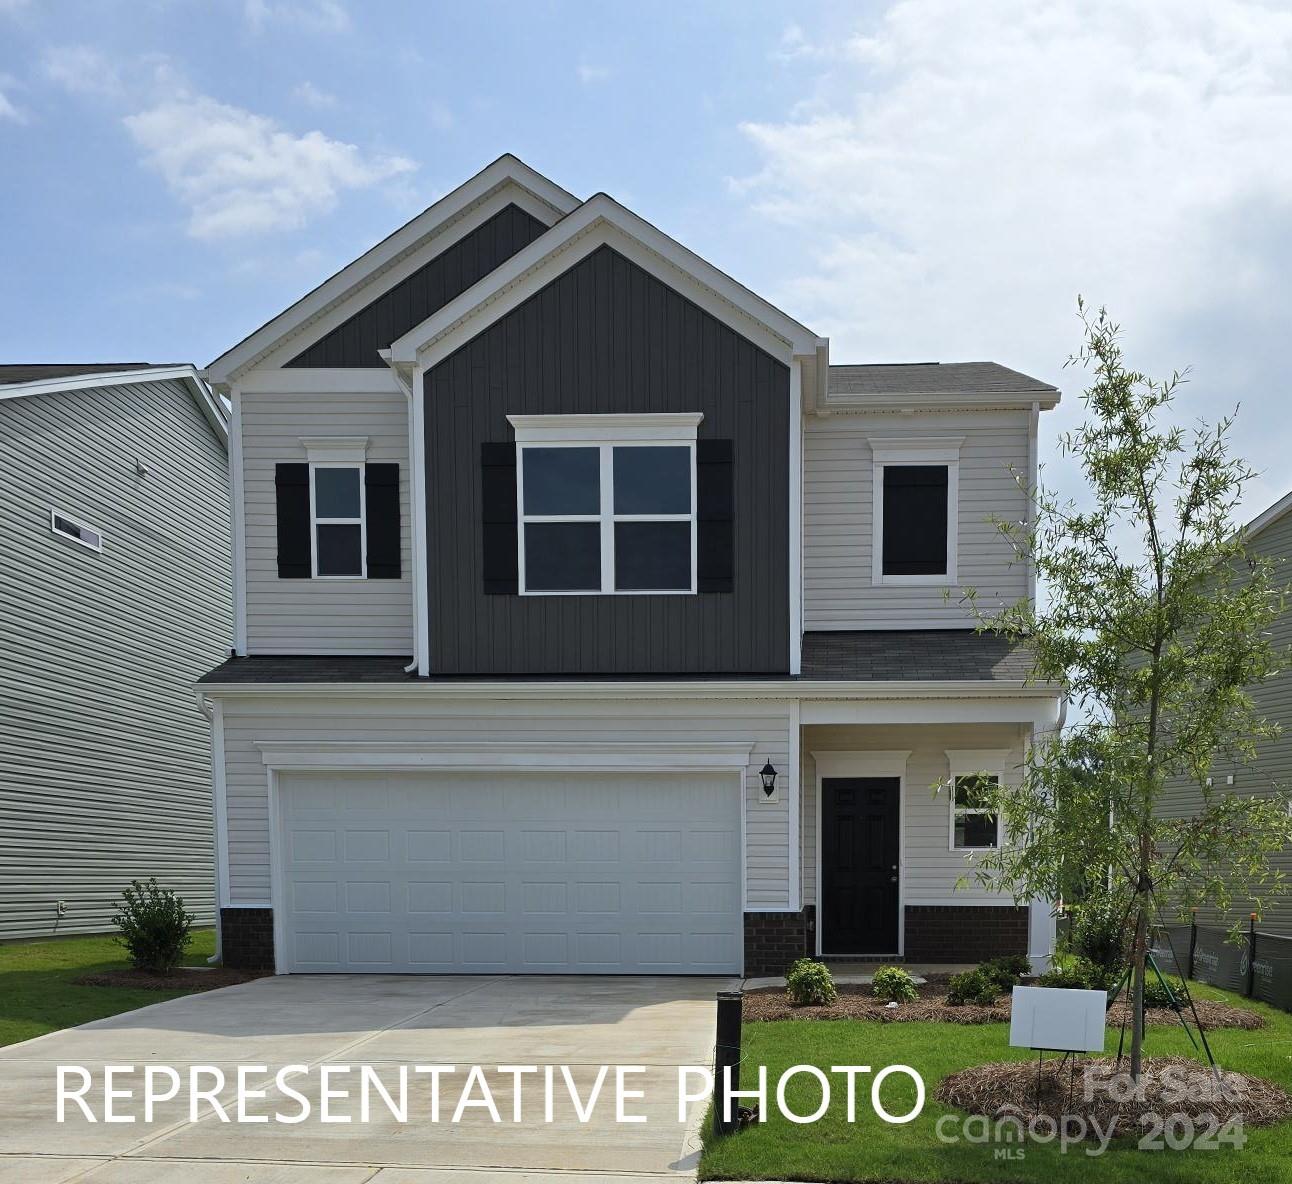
[(609, 505), (338, 518), (915, 484)]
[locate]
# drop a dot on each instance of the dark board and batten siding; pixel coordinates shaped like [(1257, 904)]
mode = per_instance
[(606, 336), (355, 342)]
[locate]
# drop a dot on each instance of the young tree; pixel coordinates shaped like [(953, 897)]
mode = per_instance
[(1154, 623)]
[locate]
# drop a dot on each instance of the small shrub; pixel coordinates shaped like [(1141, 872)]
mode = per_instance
[(1007, 972), (972, 986), (1073, 972), (1155, 994), (810, 982), (1100, 933), (154, 926), (893, 984)]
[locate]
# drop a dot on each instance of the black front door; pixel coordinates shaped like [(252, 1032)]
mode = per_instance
[(859, 852)]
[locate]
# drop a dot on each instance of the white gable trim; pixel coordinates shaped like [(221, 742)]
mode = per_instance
[(506, 181), (206, 402), (601, 221), (1269, 516)]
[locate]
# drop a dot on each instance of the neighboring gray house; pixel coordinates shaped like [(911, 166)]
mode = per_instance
[(114, 547), (588, 620), (1269, 533)]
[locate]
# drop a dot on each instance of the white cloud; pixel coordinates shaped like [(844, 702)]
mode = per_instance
[(240, 173), (957, 173), (316, 16), (8, 109), (312, 96), (591, 73), (82, 69)]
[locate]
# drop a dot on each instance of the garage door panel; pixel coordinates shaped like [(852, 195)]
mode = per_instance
[(517, 872)]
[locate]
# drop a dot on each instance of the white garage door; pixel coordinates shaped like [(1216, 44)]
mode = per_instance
[(538, 873)]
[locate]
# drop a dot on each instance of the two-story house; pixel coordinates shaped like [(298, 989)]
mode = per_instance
[(114, 539), (590, 621)]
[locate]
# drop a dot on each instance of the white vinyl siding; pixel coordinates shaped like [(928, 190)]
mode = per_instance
[(326, 616), (839, 590), (412, 718), (929, 868), (104, 758)]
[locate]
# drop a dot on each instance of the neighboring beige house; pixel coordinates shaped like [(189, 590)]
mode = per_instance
[(589, 620), (114, 544)]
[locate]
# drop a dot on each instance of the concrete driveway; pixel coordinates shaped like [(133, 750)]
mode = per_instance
[(386, 1023)]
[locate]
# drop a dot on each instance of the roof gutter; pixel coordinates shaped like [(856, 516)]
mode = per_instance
[(779, 688)]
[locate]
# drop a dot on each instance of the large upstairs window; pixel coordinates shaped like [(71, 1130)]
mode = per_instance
[(606, 504)]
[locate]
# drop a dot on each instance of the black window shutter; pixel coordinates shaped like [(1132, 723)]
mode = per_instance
[(715, 514), (915, 520), (498, 527), (292, 489), (381, 504)]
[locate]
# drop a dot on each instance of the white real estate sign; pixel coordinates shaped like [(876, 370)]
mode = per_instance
[(1057, 1019)]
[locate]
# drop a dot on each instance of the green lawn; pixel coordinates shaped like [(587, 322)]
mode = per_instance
[(872, 1150), (36, 990)]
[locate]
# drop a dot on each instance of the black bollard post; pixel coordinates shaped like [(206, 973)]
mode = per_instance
[(726, 1054), (1251, 956)]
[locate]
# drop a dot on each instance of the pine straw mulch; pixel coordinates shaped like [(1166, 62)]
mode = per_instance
[(182, 978), (856, 1002), (1169, 1086)]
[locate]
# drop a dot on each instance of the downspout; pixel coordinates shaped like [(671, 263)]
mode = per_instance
[(207, 708), (1034, 476), (415, 525)]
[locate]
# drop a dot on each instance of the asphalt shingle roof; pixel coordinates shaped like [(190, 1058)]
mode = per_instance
[(932, 378), (35, 371), (932, 655), (915, 655)]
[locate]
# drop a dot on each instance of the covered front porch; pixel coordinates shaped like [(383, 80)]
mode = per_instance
[(891, 838)]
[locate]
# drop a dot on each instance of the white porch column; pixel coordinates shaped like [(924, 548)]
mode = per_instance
[(1041, 932)]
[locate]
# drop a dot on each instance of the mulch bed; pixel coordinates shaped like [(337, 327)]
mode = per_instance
[(856, 1002), (1168, 1086), (183, 978)]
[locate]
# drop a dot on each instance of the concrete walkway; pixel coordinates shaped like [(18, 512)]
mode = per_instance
[(386, 1022)]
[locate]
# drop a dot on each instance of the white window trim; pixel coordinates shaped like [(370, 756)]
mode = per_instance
[(361, 521), (966, 762), (941, 451), (67, 538), (618, 428), (605, 433), (335, 450)]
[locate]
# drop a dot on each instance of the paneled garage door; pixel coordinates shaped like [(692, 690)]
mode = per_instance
[(506, 872)]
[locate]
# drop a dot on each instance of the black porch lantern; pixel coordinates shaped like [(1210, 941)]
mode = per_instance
[(768, 774)]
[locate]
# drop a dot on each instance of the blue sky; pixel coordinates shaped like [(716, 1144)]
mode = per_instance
[(919, 180)]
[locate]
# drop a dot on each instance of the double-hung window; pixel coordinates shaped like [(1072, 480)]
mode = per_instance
[(606, 504), (976, 823), (915, 484), (337, 520)]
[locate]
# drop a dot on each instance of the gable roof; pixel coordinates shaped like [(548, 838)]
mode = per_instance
[(19, 381), (874, 387), (542, 198), (602, 221)]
